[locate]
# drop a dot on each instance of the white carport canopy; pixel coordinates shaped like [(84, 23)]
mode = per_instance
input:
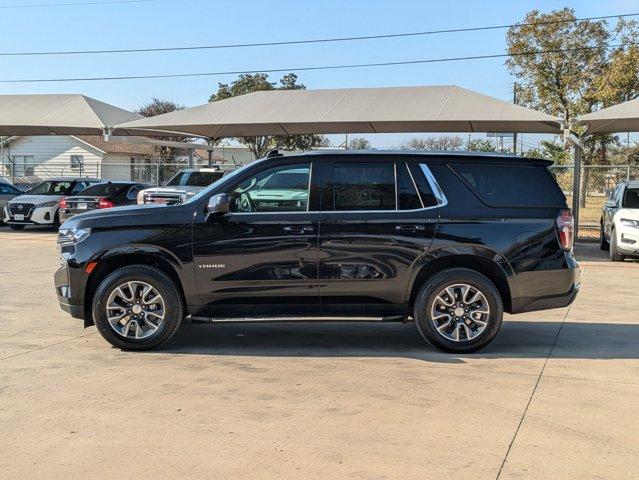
[(58, 115), (623, 117), (351, 110)]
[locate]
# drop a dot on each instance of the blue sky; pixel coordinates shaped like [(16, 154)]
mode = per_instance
[(162, 23)]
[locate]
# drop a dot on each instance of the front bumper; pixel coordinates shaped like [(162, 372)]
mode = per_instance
[(627, 240), (39, 216), (69, 291)]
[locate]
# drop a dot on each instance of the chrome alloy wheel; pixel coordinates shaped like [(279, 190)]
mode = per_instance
[(135, 310), (460, 312)]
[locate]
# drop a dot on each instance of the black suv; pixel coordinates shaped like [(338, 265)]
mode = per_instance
[(448, 240)]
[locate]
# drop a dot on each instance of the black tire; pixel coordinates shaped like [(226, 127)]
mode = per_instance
[(16, 227), (56, 220), (164, 286), (428, 294), (603, 243), (615, 256)]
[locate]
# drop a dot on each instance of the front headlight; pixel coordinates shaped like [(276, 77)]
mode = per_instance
[(140, 199), (72, 236), (629, 223), (47, 204)]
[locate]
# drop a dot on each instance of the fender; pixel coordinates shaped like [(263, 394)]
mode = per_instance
[(458, 256)]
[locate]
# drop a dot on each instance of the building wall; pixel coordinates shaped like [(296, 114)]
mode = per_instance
[(52, 155)]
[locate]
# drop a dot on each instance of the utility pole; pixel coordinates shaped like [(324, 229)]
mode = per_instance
[(515, 133)]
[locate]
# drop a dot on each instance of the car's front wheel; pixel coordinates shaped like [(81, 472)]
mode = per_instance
[(615, 256), (137, 308), (603, 242), (458, 310)]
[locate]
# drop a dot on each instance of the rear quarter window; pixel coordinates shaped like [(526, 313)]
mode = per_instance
[(511, 185)]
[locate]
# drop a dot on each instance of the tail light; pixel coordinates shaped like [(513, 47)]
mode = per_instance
[(565, 229), (103, 203), (63, 203)]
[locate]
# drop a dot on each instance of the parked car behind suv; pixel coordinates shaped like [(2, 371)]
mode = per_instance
[(450, 241), (620, 222), (100, 196), (7, 192), (182, 186), (39, 206)]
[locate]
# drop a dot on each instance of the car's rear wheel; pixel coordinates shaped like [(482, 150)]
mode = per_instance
[(458, 310), (16, 227), (615, 256), (137, 308), (603, 243)]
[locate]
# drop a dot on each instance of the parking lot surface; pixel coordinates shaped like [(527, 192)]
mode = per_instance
[(555, 396)]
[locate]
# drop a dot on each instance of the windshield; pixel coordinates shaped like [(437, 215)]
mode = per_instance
[(631, 198), (52, 188), (194, 179), (104, 189), (229, 175)]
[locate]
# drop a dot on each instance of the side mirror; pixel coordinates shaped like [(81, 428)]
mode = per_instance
[(610, 204), (218, 204)]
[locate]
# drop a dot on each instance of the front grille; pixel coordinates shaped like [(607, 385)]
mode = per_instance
[(20, 208), (164, 199)]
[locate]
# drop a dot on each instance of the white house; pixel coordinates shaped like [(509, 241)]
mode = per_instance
[(67, 155)]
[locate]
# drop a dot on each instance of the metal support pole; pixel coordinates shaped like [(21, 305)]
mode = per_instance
[(191, 164), (576, 187)]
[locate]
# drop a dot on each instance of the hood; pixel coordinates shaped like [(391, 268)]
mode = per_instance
[(629, 213), (35, 199), (117, 216)]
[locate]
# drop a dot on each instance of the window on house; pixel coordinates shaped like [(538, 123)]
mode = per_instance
[(77, 161)]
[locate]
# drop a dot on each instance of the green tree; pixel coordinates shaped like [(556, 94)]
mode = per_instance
[(158, 106), (567, 67), (440, 143), (359, 143), (247, 83), (480, 145)]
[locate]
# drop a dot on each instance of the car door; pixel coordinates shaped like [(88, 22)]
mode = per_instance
[(377, 218), (264, 250)]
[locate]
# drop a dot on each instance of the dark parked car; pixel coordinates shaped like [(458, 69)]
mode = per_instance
[(450, 241), (100, 196)]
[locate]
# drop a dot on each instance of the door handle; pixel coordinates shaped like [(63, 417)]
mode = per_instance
[(298, 229), (410, 228)]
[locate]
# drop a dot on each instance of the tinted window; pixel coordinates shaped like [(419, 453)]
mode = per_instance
[(509, 185), (406, 192), (631, 198), (104, 190), (195, 179), (8, 190), (276, 189), (425, 192), (52, 188), (363, 186)]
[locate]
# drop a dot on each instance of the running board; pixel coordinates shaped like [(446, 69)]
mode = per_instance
[(297, 318)]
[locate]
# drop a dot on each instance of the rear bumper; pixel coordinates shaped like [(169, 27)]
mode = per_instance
[(546, 289)]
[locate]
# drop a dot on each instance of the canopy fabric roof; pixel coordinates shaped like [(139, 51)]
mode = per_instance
[(623, 117), (443, 108), (58, 115)]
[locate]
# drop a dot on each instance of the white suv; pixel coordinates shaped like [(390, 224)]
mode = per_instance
[(39, 206), (620, 222), (182, 186)]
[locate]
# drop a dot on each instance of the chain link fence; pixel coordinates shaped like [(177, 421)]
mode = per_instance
[(597, 181), (148, 171)]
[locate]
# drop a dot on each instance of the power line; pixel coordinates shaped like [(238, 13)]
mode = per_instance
[(301, 69), (298, 42), (75, 4)]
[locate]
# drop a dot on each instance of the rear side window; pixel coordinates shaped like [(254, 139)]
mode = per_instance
[(510, 185), (631, 198), (363, 186), (104, 190), (406, 192)]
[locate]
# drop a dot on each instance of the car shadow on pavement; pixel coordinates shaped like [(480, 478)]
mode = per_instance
[(517, 339)]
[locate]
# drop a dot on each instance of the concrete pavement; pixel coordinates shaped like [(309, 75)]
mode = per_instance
[(555, 396)]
